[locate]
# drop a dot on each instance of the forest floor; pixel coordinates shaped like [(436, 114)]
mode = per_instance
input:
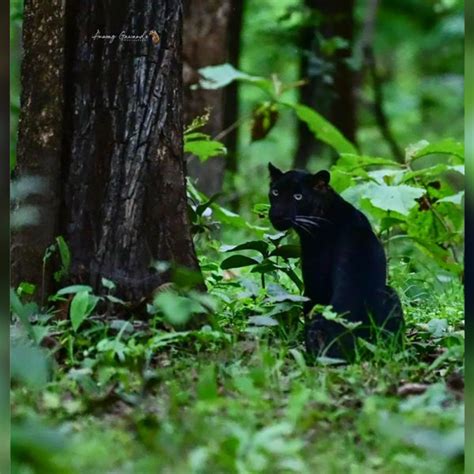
[(239, 397)]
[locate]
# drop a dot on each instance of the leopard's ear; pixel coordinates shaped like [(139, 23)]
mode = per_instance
[(275, 173), (320, 180)]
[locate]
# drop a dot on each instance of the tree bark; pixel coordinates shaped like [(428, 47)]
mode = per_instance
[(39, 134), (125, 192), (211, 37), (334, 100)]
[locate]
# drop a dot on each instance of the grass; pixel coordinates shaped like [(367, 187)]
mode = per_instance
[(240, 398)]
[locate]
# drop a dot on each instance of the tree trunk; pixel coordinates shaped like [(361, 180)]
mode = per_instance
[(125, 192), (334, 100), (231, 108), (211, 37), (39, 135)]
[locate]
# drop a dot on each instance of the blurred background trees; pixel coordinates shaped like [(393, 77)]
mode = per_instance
[(386, 75), (211, 36), (418, 50)]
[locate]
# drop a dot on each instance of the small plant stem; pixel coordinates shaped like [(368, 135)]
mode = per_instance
[(438, 217)]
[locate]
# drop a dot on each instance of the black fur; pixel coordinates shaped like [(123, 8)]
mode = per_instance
[(343, 262)]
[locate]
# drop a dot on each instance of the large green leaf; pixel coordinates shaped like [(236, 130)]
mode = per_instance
[(322, 129), (399, 198), (82, 306), (444, 147), (258, 245), (238, 261)]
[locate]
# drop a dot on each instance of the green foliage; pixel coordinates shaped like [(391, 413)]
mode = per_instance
[(99, 385), (200, 145), (82, 306), (142, 398), (322, 129), (393, 194), (176, 309)]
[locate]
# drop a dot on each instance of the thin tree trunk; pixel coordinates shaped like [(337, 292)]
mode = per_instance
[(335, 101), (211, 37), (39, 134), (125, 193), (231, 107)]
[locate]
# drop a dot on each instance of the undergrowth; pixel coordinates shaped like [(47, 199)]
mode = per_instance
[(238, 395)]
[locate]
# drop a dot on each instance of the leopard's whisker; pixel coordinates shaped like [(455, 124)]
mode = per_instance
[(307, 221), (316, 218), (300, 226)]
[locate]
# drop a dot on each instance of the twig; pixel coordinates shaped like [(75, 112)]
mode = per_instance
[(222, 134)]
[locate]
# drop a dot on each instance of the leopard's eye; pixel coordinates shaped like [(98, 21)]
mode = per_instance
[(298, 197), (275, 192)]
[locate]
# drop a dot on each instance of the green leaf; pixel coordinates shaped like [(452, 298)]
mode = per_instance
[(437, 327), (288, 297), (64, 253), (258, 245), (458, 168), (115, 300), (430, 172), (82, 306), (287, 251), (265, 267), (455, 198), (202, 207), (204, 148), (207, 385), (424, 148), (294, 277), (322, 129), (386, 176), (216, 77), (238, 261), (184, 277), (234, 220), (177, 309), (109, 284), (399, 198), (26, 288), (29, 365), (74, 289), (222, 214), (23, 311), (263, 321), (261, 209)]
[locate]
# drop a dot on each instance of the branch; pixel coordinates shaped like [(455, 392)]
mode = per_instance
[(379, 111)]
